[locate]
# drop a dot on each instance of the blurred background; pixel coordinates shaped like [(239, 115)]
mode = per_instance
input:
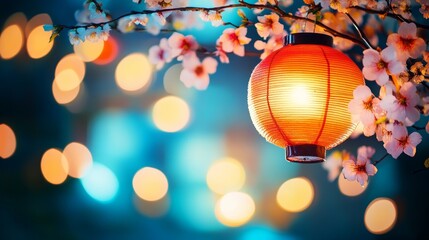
[(155, 160)]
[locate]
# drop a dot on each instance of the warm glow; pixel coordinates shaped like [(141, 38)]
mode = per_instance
[(295, 195), (11, 41), (54, 166), (7, 141), (67, 80), (64, 97), (150, 184), (71, 61), (133, 72), (109, 53), (89, 51), (100, 183), (299, 95), (79, 159), (380, 215), (226, 175), (350, 188), (171, 114), (235, 209), (38, 44)]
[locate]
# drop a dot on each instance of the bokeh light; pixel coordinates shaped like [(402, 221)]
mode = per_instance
[(100, 183), (64, 97), (133, 73), (235, 209), (17, 18), (150, 184), (36, 21), (67, 80), (380, 215), (350, 188), (11, 41), (152, 208), (54, 166), (226, 175), (295, 195), (79, 159), (7, 141), (109, 53), (172, 83), (71, 61), (89, 51), (171, 114), (38, 44)]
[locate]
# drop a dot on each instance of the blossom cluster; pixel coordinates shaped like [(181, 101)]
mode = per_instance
[(399, 70)]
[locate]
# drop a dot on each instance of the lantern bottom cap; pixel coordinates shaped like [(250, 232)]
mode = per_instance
[(305, 153)]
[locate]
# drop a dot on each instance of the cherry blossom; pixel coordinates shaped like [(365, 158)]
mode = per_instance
[(139, 19), (182, 45), (269, 25), (214, 17), (424, 8), (196, 73), (233, 40), (400, 142), (274, 43), (402, 106), (334, 162), (406, 42), (221, 53), (364, 107), (377, 66), (159, 55), (360, 168), (77, 35)]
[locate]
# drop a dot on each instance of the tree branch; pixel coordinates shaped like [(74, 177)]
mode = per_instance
[(360, 32), (391, 15)]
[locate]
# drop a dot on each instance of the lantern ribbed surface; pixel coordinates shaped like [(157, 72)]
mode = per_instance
[(299, 95)]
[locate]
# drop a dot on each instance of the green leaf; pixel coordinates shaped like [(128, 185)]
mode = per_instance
[(55, 32)]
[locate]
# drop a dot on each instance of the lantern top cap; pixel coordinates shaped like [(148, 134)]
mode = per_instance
[(309, 38)]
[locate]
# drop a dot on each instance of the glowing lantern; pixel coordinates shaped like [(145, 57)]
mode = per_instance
[(298, 96)]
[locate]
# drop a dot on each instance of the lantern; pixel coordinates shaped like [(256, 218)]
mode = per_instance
[(298, 96)]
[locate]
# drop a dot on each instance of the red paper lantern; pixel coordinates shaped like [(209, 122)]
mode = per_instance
[(298, 96)]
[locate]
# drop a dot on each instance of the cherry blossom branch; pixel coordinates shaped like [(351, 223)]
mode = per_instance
[(241, 4), (418, 128), (420, 170), (381, 159), (391, 15)]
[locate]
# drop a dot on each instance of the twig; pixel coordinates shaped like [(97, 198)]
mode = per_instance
[(381, 159), (391, 15), (418, 128), (420, 170), (360, 32)]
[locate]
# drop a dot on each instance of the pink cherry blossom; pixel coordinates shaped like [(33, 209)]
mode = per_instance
[(334, 162), (274, 43), (182, 45), (400, 142), (402, 105), (223, 57), (406, 42), (364, 108), (269, 25), (424, 8), (360, 169), (233, 40), (159, 55), (196, 73), (215, 17), (377, 66)]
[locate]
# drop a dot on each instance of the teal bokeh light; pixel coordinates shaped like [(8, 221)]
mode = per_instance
[(100, 183)]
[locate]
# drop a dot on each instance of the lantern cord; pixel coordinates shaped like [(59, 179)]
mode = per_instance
[(360, 32)]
